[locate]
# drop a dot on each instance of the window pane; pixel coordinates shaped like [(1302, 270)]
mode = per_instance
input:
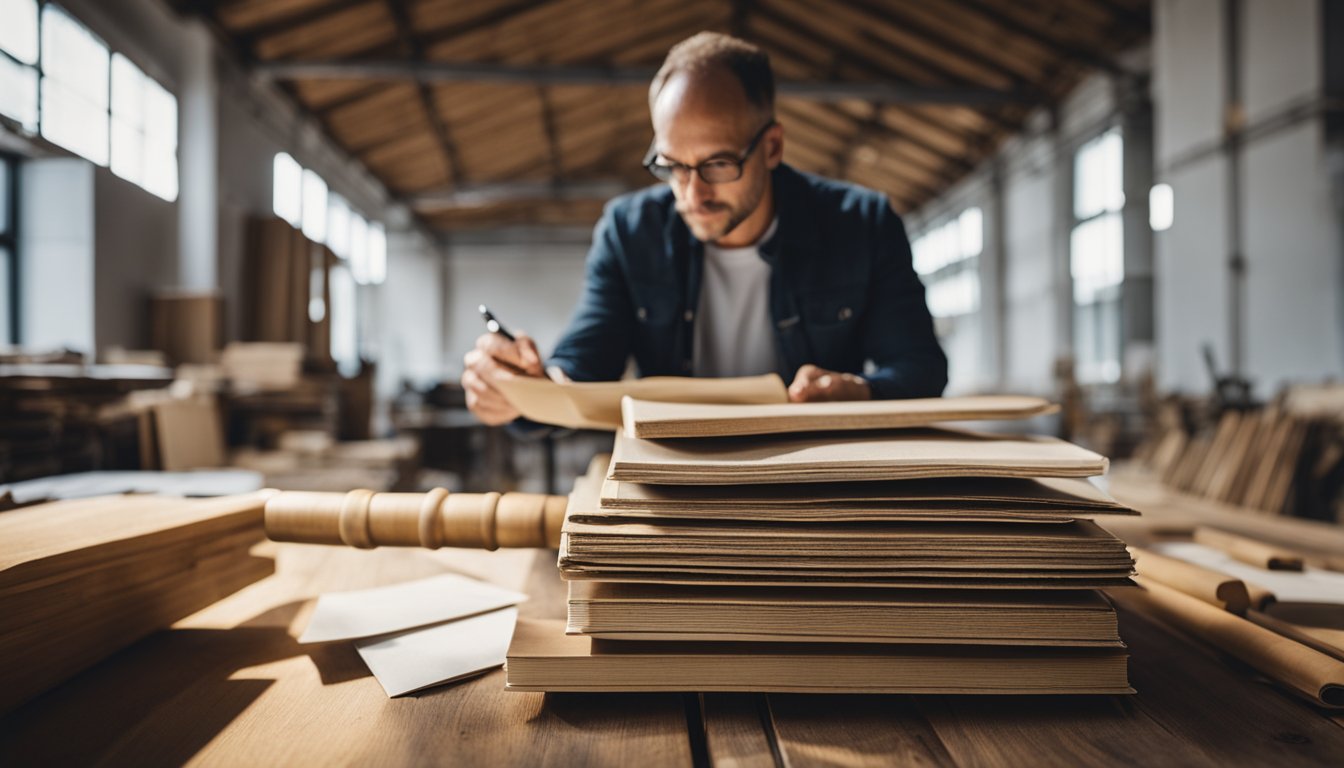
[(160, 116), (1098, 176), (971, 225), (287, 195), (359, 249), (75, 67), (73, 56), (74, 122), (314, 207), (161, 171), (338, 226), (128, 152), (5, 170), (377, 254), (1096, 257), (6, 293), (18, 93), (344, 321), (128, 92), (18, 35)]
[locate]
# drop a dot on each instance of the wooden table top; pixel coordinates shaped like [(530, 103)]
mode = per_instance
[(230, 686)]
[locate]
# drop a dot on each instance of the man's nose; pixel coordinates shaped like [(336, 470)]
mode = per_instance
[(697, 190)]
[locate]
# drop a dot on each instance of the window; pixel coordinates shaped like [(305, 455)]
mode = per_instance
[(947, 260), (338, 226), (9, 249), (144, 130), (344, 323), (287, 189), (74, 86), (314, 207), (1096, 257), (359, 249), (377, 270), (18, 62)]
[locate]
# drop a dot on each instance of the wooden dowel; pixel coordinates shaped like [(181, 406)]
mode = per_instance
[(365, 519)]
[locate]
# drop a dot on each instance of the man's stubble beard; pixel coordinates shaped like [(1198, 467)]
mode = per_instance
[(735, 218)]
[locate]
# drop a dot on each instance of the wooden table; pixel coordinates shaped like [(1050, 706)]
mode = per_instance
[(230, 686)]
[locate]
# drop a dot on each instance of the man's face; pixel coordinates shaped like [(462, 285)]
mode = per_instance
[(706, 116)]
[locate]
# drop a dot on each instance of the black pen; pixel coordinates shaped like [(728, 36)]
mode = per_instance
[(494, 326)]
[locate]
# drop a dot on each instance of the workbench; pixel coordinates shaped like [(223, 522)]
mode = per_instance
[(230, 686)]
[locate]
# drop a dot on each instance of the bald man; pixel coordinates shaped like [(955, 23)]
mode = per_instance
[(738, 265)]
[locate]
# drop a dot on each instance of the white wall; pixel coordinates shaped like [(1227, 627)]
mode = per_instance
[(530, 287), (409, 308), (1031, 274)]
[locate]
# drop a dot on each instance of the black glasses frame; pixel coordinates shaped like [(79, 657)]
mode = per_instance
[(723, 170)]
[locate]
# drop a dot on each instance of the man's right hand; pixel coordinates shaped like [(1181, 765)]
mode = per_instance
[(493, 359)]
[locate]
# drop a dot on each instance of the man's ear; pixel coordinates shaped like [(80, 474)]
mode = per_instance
[(773, 142)]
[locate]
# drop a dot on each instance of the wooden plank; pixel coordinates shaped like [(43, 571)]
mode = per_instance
[(1217, 706), (855, 731), (736, 731), (231, 686)]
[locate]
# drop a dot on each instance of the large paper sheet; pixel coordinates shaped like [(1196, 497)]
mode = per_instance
[(415, 660), (664, 420), (378, 611), (597, 405)]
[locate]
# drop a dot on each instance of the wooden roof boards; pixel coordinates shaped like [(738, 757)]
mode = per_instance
[(434, 96)]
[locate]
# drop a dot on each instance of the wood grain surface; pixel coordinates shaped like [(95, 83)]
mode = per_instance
[(229, 686)]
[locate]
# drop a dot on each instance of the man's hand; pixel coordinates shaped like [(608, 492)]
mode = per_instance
[(493, 359), (813, 384)]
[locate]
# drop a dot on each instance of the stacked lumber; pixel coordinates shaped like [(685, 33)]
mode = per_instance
[(81, 579), (1286, 457)]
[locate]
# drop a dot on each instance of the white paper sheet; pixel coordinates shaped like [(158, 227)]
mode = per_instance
[(415, 660), (1312, 585), (381, 610)]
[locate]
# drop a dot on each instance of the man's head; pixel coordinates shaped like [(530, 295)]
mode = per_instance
[(713, 95)]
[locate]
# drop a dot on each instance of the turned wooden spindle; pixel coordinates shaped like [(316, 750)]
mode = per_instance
[(365, 519)]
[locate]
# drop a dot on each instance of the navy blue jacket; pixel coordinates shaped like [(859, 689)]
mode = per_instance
[(842, 290)]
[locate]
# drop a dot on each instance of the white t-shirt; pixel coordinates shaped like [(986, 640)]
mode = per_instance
[(733, 332)]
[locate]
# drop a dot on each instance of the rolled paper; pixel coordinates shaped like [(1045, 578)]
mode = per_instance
[(365, 519), (1249, 551), (1304, 671), (1213, 587)]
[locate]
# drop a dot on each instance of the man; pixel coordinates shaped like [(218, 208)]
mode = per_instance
[(739, 265)]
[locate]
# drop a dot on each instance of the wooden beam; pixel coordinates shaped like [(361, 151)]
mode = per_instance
[(884, 92), (416, 51), (1013, 26), (292, 21), (481, 195), (842, 58), (490, 18), (548, 124)]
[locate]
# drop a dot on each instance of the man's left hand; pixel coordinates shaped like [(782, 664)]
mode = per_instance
[(813, 384)]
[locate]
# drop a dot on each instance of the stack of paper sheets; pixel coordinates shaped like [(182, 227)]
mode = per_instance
[(782, 548), (843, 456)]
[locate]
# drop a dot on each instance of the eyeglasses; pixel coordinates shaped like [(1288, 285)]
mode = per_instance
[(717, 170)]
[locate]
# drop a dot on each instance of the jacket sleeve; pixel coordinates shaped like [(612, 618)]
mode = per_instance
[(899, 337), (597, 343)]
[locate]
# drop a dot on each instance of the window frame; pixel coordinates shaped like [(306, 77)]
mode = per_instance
[(36, 67), (9, 239)]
